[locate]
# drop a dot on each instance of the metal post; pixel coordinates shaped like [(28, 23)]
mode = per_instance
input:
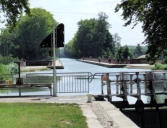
[(138, 86), (145, 83), (131, 83), (102, 84), (54, 61), (164, 79), (108, 87), (117, 84)]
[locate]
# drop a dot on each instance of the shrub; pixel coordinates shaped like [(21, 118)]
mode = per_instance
[(12, 68), (3, 69), (159, 66), (7, 59)]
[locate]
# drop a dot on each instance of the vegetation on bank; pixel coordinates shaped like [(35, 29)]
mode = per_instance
[(33, 69), (7, 65), (159, 66), (93, 39), (153, 16), (23, 41), (41, 115)]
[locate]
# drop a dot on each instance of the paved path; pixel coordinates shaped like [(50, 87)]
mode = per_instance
[(99, 114), (110, 65)]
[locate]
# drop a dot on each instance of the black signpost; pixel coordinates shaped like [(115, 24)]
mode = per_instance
[(55, 40)]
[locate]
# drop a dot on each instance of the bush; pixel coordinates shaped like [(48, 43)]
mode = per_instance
[(3, 69), (7, 59), (159, 66), (12, 68)]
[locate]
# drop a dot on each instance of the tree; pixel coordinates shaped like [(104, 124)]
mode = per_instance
[(12, 9), (92, 38), (138, 51), (123, 53), (126, 52), (27, 35), (153, 15), (117, 41)]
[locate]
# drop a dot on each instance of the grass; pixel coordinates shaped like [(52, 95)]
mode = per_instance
[(34, 69), (41, 115), (159, 66)]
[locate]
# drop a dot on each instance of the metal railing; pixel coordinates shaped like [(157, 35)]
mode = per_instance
[(72, 82), (123, 84), (75, 82)]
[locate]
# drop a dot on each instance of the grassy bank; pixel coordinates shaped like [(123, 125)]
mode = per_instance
[(159, 66), (41, 115), (34, 68), (3, 69)]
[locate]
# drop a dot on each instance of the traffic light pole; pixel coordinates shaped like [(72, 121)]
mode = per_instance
[(54, 62)]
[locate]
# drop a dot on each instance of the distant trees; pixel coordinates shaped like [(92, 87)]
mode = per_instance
[(153, 15), (138, 51), (123, 53), (92, 38), (24, 41), (117, 40)]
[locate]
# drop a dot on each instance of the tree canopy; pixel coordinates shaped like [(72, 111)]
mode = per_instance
[(12, 9), (153, 15), (92, 38), (24, 41), (138, 51)]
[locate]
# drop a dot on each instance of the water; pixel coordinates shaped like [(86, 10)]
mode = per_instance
[(72, 65)]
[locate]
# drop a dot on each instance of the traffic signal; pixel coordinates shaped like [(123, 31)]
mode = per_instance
[(60, 35)]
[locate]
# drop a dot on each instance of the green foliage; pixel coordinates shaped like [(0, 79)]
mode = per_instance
[(117, 41), (12, 68), (133, 48), (24, 41), (123, 53), (13, 9), (69, 48), (107, 53), (138, 51), (159, 66), (153, 15), (7, 59), (3, 69), (92, 38)]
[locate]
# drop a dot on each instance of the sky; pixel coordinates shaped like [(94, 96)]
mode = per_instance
[(70, 12)]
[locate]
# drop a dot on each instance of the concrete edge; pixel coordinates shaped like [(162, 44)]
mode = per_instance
[(118, 118), (91, 118)]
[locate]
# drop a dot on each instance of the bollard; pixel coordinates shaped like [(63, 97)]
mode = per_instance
[(89, 98)]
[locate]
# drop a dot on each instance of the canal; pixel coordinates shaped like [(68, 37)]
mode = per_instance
[(72, 65)]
